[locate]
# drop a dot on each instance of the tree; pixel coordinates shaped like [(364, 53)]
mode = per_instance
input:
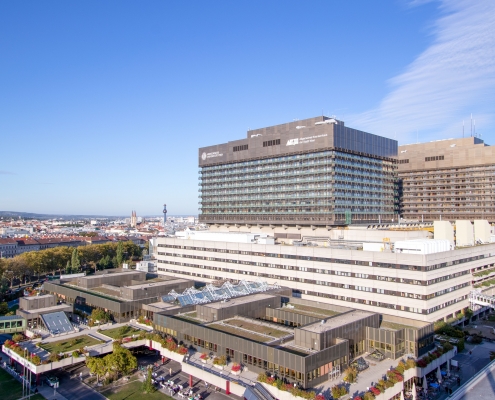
[(147, 385), (9, 276), (68, 268), (75, 263), (120, 254), (121, 361), (97, 366), (4, 308), (99, 315)]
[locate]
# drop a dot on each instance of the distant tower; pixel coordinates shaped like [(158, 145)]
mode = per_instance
[(133, 219), (164, 215)]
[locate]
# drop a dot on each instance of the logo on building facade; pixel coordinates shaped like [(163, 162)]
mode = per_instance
[(292, 142), (203, 156)]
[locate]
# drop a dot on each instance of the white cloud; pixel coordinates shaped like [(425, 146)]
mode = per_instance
[(450, 79)]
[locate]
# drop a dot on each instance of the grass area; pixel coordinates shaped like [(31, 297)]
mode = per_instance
[(192, 316), (394, 326), (239, 332), (121, 332), (11, 389), (75, 343), (266, 330), (132, 391), (310, 311)]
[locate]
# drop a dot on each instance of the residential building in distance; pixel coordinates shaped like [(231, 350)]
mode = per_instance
[(314, 173), (452, 179)]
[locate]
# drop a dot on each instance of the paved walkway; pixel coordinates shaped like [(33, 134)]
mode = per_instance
[(376, 371)]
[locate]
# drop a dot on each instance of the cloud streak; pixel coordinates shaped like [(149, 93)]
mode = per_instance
[(6, 172), (450, 79)]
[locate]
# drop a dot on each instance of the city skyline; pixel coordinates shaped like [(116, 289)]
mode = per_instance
[(104, 104)]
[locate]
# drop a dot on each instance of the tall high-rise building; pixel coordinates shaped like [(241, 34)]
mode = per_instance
[(313, 172), (451, 179)]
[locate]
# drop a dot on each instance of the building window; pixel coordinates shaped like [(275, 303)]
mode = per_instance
[(241, 148), (269, 143), (406, 161), (434, 158)]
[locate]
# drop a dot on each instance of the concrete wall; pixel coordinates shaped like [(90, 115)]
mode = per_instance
[(443, 230), (36, 302), (464, 233), (482, 231)]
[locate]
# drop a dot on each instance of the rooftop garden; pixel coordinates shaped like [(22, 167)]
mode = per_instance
[(241, 333), (121, 332), (65, 345), (266, 330), (310, 311)]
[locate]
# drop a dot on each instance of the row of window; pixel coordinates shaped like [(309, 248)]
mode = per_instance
[(241, 147), (297, 293), (434, 158), (324, 259), (406, 161), (269, 143), (303, 269), (317, 282)]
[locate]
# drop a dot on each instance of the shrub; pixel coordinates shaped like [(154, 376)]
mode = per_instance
[(182, 350), (35, 359), (401, 367), (375, 390), (338, 391), (53, 357), (236, 367), (410, 363), (350, 375), (204, 356), (18, 337), (319, 397), (222, 360), (447, 347), (75, 354), (368, 396)]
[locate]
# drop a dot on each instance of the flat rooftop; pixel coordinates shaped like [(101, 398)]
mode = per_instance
[(44, 296), (238, 300), (311, 311), (339, 320), (60, 307), (394, 326), (156, 283), (111, 274)]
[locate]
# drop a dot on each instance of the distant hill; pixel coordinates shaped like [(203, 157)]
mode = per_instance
[(17, 214)]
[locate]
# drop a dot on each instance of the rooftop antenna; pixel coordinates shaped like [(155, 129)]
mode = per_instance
[(474, 129), (471, 124), (417, 136), (463, 128)]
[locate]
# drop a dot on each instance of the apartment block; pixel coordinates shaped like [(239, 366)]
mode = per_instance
[(451, 179)]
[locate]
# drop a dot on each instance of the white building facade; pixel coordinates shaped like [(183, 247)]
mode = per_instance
[(425, 287)]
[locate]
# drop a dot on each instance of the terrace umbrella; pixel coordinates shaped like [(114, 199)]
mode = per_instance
[(414, 391), (425, 384), (439, 375), (448, 367), (401, 395)]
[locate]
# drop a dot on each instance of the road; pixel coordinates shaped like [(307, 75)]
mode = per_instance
[(74, 389)]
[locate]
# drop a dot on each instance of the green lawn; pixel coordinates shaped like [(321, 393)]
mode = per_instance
[(62, 346), (242, 333), (266, 330), (119, 333), (132, 391), (11, 389)]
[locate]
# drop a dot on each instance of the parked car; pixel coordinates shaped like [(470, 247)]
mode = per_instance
[(51, 380)]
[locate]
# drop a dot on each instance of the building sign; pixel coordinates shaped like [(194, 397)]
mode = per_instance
[(213, 154), (309, 139)]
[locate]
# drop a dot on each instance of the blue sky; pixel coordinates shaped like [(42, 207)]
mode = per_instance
[(103, 105)]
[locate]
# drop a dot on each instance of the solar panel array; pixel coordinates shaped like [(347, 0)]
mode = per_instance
[(57, 322), (209, 293)]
